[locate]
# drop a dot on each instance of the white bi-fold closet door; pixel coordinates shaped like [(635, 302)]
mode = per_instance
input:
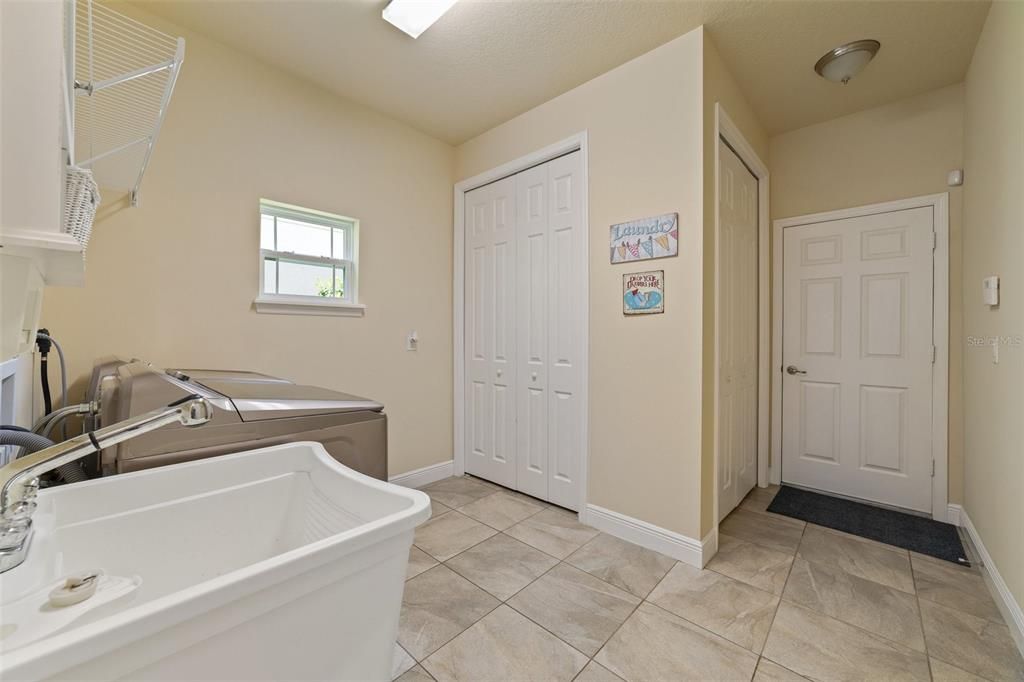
[(525, 337), (737, 330)]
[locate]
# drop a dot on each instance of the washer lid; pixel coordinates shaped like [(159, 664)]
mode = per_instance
[(260, 400), (241, 376)]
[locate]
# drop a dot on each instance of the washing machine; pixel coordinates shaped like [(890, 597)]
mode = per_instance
[(251, 410)]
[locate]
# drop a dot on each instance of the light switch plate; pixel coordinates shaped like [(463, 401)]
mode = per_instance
[(990, 290)]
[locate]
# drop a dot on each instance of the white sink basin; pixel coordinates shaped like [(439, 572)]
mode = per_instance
[(274, 564)]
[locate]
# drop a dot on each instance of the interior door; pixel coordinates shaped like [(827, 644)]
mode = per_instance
[(858, 353), (532, 398), (490, 332), (526, 292), (565, 297), (737, 330)]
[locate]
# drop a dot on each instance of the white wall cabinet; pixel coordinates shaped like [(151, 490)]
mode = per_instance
[(525, 288)]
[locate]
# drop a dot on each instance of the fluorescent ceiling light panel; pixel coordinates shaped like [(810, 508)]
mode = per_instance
[(415, 16)]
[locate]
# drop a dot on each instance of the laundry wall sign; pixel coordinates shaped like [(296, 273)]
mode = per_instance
[(656, 237), (643, 293)]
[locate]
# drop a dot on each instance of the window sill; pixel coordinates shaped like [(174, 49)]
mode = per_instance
[(307, 305)]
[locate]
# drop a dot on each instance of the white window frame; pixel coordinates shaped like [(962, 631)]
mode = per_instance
[(295, 304)]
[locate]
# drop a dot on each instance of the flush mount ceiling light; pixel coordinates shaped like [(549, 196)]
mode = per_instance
[(846, 61), (415, 16)]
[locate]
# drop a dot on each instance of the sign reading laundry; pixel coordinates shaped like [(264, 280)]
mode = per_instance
[(643, 292), (656, 237)]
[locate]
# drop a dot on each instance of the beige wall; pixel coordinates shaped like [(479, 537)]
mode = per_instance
[(719, 87), (994, 245), (173, 281), (896, 151), (644, 122)]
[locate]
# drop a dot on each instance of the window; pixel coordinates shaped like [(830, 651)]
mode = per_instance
[(307, 261)]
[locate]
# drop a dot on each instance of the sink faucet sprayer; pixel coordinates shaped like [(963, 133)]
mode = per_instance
[(20, 478)]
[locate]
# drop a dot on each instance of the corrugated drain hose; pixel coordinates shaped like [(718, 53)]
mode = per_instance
[(32, 442)]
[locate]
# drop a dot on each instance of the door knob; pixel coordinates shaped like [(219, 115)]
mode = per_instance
[(533, 375), (793, 370), (499, 372)]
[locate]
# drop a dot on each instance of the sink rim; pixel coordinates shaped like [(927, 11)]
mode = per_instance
[(82, 643)]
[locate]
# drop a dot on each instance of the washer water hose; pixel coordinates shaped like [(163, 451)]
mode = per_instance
[(43, 340), (44, 368), (32, 442), (48, 422)]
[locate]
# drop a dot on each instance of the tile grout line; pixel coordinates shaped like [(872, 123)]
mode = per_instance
[(874, 635), (448, 641), (500, 530), (744, 582), (505, 601), (611, 636), (517, 611), (789, 574), (541, 626), (442, 561), (641, 602), (559, 561), (920, 616)]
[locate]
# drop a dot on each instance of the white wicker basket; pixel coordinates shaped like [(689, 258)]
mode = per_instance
[(81, 199)]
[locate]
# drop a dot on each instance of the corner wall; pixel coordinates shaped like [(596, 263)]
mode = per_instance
[(896, 151), (173, 281), (994, 225), (644, 125)]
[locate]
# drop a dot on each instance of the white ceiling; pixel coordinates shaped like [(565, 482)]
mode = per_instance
[(486, 61)]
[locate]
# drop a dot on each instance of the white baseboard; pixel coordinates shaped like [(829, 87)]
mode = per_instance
[(680, 547), (954, 513), (1004, 598), (425, 476)]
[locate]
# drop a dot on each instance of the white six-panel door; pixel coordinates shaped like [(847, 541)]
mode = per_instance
[(857, 335), (737, 331), (541, 344), (490, 331), (566, 334)]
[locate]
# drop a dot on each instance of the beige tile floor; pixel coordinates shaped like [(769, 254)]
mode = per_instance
[(505, 587)]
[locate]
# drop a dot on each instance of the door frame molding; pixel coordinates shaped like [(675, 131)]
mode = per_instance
[(728, 131), (577, 142), (939, 203)]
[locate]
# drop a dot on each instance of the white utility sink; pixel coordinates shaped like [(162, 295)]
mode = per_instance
[(273, 564)]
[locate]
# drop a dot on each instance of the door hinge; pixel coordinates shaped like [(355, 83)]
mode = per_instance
[(934, 353), (935, 240), (933, 468)]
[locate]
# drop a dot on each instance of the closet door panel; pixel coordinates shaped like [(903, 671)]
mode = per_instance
[(533, 330), (490, 324), (566, 295)]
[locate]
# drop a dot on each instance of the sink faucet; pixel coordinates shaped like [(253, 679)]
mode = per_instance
[(20, 478)]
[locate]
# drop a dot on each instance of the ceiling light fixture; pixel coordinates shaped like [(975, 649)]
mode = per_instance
[(846, 61), (415, 16)]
